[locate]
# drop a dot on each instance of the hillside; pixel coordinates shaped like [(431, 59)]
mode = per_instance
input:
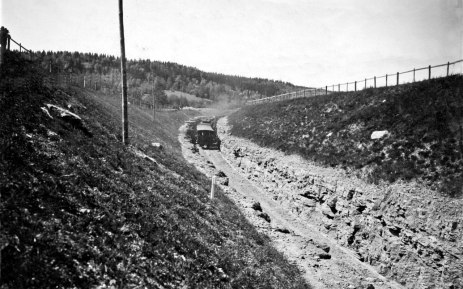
[(146, 75), (80, 210), (423, 120), (182, 99)]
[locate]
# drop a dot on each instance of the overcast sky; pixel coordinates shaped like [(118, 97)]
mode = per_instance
[(306, 42)]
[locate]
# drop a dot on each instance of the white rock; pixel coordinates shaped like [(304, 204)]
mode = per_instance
[(156, 145), (379, 134)]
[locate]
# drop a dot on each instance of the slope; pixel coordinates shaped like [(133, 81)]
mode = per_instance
[(78, 209), (424, 139)]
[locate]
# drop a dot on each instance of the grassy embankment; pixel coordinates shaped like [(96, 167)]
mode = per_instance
[(424, 121), (78, 209)]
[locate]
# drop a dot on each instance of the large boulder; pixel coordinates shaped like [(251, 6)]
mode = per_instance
[(67, 116), (379, 134)]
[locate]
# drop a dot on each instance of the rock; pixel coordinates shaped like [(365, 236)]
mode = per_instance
[(327, 212), (256, 206), (282, 230), (379, 134), (324, 256), (264, 216), (309, 202), (223, 181), (156, 145), (45, 110), (332, 203), (68, 117), (220, 174), (370, 286), (324, 247)]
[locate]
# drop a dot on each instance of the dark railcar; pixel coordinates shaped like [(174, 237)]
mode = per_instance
[(206, 136)]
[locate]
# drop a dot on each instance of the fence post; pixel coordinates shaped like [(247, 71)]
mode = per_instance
[(212, 188), (333, 88), (429, 76), (339, 87), (448, 68), (3, 41), (355, 85), (375, 81), (414, 74), (365, 83), (397, 78), (8, 44), (386, 80), (326, 90), (20, 48)]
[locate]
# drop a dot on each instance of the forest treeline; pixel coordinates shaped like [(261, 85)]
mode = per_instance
[(147, 76)]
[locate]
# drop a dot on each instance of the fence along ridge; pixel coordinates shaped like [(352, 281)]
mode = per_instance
[(5, 39), (90, 81), (309, 92), (5, 44)]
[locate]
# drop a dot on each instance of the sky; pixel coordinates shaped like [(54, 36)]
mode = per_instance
[(306, 42)]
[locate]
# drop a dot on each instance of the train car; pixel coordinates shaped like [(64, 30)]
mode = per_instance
[(206, 136)]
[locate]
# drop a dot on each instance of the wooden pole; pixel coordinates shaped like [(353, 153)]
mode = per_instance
[(397, 78), (3, 41), (154, 100), (386, 80), (326, 90), (448, 68), (213, 188), (125, 123), (339, 87), (375, 81), (414, 74), (429, 74), (355, 85), (365, 83)]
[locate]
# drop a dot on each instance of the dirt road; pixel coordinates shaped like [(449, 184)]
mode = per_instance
[(324, 263)]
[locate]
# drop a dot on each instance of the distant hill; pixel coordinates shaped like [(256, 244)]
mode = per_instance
[(144, 75)]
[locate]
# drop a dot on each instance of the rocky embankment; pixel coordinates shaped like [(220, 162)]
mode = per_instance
[(406, 231)]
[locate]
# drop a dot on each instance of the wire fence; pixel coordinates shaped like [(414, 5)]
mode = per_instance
[(5, 45), (409, 76), (110, 86), (107, 85), (100, 83)]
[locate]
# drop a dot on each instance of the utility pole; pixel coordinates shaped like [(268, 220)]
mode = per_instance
[(154, 98), (125, 122)]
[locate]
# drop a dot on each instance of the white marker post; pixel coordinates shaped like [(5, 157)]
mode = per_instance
[(212, 188)]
